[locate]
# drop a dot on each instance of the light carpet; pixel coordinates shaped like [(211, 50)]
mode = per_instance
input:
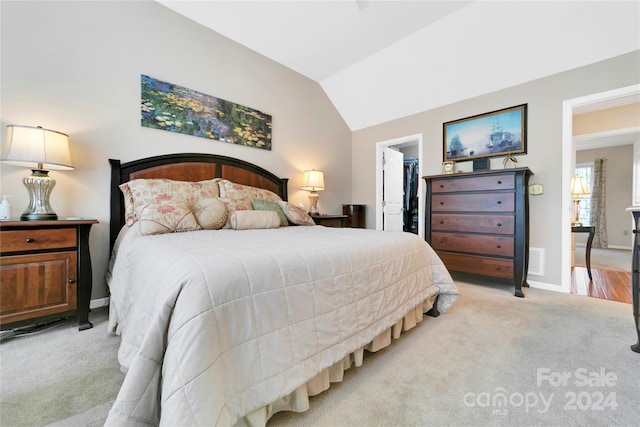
[(548, 359)]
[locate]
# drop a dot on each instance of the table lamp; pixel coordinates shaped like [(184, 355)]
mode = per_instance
[(313, 181), (41, 150), (578, 188)]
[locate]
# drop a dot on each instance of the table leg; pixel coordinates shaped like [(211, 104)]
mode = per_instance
[(588, 254)]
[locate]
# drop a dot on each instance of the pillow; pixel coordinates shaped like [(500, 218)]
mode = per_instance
[(295, 214), (166, 217), (265, 205), (139, 192), (211, 214), (248, 220), (244, 193), (235, 205)]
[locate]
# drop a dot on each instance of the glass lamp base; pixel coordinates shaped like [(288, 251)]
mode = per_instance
[(39, 184)]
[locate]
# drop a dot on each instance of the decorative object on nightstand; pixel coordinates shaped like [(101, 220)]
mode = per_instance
[(313, 181), (41, 150), (578, 188)]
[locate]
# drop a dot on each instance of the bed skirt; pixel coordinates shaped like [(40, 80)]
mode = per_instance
[(298, 400)]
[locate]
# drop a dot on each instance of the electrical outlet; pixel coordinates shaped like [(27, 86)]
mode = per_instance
[(536, 189)]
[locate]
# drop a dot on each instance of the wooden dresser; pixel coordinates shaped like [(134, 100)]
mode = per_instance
[(478, 223), (45, 272)]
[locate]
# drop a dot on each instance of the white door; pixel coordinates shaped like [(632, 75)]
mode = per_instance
[(393, 189)]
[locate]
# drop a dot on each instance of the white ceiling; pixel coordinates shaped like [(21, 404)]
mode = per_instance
[(382, 60)]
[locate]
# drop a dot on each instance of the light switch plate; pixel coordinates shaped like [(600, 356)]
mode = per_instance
[(536, 189)]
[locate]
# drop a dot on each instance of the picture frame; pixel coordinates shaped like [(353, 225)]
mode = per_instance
[(448, 167), (494, 134)]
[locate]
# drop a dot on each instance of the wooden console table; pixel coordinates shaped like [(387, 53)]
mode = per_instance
[(635, 274), (592, 232)]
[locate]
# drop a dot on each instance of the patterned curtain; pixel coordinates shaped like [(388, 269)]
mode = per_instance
[(599, 204)]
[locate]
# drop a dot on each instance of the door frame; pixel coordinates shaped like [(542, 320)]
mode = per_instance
[(400, 142), (568, 165)]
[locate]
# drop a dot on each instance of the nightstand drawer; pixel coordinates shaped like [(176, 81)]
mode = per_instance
[(491, 224), (37, 239)]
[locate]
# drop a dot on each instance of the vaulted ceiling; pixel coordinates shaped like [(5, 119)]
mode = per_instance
[(382, 60)]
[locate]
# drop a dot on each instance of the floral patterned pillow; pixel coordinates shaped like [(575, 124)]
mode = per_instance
[(242, 192), (139, 192), (166, 216), (295, 214)]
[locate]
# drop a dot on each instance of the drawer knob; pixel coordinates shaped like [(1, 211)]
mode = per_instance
[(499, 246), (72, 280), (441, 203), (29, 240), (499, 182), (498, 268), (499, 224), (441, 222), (499, 202), (441, 186), (441, 240)]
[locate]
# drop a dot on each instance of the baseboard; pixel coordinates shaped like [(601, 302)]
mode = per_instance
[(99, 302), (544, 286)]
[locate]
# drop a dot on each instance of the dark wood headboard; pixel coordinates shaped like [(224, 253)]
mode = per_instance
[(186, 167)]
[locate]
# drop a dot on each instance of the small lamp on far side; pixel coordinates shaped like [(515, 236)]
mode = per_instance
[(313, 181), (40, 150), (578, 188)]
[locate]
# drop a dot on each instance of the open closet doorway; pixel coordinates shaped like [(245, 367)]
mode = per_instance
[(409, 149), (608, 98)]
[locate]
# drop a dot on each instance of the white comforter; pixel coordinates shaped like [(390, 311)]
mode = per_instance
[(216, 324)]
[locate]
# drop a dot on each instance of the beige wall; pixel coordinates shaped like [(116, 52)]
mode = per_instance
[(75, 67), (544, 98), (625, 116)]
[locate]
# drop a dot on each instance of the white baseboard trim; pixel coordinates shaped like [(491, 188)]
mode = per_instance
[(99, 302), (545, 286)]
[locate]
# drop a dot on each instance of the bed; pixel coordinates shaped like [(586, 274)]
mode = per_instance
[(227, 324)]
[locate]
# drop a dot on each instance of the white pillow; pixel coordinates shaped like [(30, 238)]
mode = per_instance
[(211, 214), (249, 220)]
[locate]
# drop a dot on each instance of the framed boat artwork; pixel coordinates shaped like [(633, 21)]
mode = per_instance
[(495, 134)]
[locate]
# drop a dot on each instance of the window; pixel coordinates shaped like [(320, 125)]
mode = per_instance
[(586, 171)]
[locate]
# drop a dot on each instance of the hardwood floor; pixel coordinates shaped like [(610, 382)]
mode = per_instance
[(606, 284)]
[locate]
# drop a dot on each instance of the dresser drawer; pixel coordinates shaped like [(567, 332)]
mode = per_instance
[(489, 245), (490, 224), (477, 183), (37, 239), (476, 202), (484, 266)]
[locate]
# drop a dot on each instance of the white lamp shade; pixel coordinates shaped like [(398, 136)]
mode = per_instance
[(313, 180), (37, 148), (578, 186)]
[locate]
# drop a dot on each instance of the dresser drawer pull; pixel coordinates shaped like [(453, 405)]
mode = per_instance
[(29, 240), (498, 246), (499, 182), (498, 268), (441, 240), (441, 203), (499, 224), (441, 222), (499, 202), (72, 280)]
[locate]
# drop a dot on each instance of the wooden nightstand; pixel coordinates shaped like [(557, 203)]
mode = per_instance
[(338, 221), (45, 272)]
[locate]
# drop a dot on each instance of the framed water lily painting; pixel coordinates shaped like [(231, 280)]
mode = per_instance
[(495, 134), (174, 108)]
